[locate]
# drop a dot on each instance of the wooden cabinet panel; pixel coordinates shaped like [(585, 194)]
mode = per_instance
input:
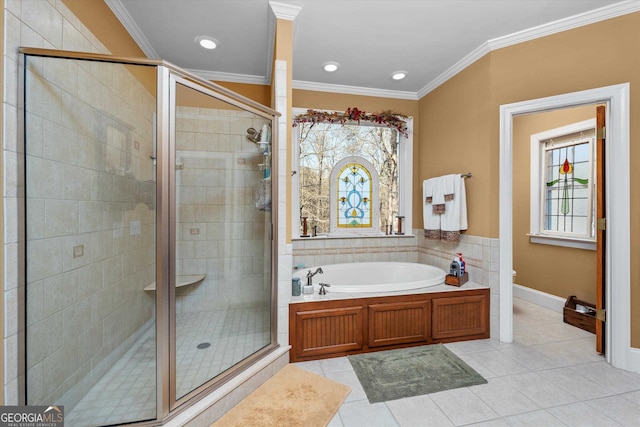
[(463, 316), (330, 328), (398, 323), (324, 331)]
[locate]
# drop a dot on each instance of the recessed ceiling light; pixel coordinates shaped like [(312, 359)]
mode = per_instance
[(398, 75), (207, 42), (330, 67)]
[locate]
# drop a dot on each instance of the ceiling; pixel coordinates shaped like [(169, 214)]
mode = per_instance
[(430, 39)]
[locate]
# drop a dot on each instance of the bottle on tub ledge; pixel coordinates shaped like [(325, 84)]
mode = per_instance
[(457, 271), (463, 265), (296, 287)]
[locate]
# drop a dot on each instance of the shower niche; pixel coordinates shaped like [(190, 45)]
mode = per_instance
[(148, 259)]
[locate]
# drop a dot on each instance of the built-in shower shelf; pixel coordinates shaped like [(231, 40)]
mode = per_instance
[(181, 281)]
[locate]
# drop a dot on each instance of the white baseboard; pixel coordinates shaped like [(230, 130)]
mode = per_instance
[(540, 298), (634, 360)]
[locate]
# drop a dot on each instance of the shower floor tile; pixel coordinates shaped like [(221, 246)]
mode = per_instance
[(127, 392)]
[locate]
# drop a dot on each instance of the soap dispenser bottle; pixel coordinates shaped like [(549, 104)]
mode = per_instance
[(454, 268), (296, 287), (463, 265)]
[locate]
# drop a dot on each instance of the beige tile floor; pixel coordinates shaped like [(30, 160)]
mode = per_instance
[(549, 376)]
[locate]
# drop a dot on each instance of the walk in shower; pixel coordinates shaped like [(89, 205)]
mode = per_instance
[(149, 236)]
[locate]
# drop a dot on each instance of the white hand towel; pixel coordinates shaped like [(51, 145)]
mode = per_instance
[(455, 217), (449, 183), (431, 221)]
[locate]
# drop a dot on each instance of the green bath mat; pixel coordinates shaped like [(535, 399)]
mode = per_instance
[(394, 374)]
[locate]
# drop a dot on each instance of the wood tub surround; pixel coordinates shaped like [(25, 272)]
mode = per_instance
[(330, 328)]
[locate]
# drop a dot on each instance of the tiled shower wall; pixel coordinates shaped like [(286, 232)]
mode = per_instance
[(221, 232), (481, 255), (90, 222), (44, 24)]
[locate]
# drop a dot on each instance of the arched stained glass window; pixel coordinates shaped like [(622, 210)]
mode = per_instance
[(354, 196)]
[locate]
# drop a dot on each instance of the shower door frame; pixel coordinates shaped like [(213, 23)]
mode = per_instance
[(167, 406), (175, 77)]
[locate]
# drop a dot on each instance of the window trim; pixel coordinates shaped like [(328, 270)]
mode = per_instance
[(405, 182), (536, 233)]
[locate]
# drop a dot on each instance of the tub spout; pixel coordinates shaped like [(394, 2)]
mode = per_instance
[(310, 275)]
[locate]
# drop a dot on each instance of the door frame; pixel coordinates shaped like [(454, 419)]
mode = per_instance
[(618, 351)]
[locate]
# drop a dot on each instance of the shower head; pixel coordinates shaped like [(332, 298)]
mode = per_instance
[(253, 135)]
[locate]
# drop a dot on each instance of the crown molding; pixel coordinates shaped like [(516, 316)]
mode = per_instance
[(284, 11), (118, 9), (354, 90), (290, 12), (230, 77), (576, 21), (569, 23), (472, 57)]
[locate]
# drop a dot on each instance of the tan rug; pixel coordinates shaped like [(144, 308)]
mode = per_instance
[(292, 397)]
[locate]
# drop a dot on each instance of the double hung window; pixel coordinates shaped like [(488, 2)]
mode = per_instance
[(563, 187)]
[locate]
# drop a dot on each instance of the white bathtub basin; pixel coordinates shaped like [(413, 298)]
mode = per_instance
[(372, 277)]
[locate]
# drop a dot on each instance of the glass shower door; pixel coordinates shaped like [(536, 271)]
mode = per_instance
[(222, 236), (90, 239), (148, 223)]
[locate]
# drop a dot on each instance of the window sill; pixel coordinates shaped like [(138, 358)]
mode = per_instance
[(567, 242)]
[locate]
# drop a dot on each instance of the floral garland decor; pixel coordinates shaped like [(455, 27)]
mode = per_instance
[(387, 118)]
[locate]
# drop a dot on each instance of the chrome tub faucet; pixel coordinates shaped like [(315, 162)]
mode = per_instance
[(310, 275)]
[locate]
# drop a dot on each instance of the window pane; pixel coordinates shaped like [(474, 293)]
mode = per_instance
[(581, 192), (354, 197), (580, 224), (323, 145), (580, 207), (567, 178), (581, 153), (581, 170)]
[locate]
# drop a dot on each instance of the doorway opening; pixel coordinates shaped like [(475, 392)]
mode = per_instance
[(617, 329), (554, 218)]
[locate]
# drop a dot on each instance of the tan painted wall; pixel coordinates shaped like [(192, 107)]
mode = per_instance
[(97, 16), (194, 98), (596, 55), (455, 123), (370, 104), (259, 93), (556, 270)]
